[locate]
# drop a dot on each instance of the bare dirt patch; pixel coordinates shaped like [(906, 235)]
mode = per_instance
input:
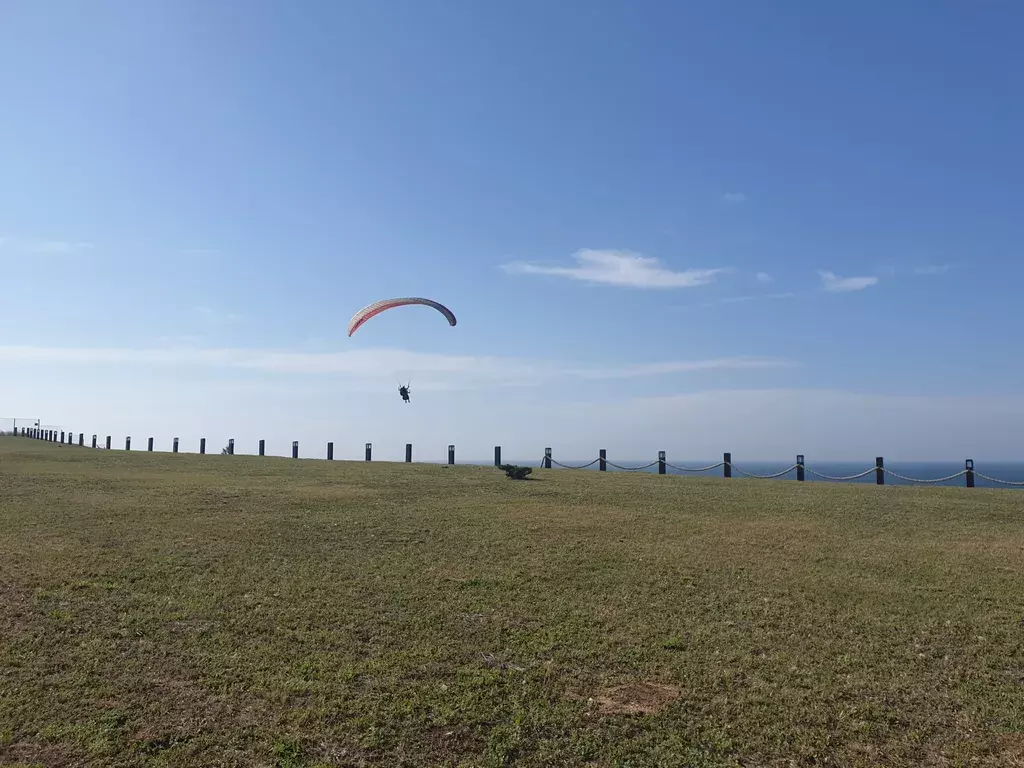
[(645, 698)]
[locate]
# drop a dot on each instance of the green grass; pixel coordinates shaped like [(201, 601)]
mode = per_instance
[(185, 610)]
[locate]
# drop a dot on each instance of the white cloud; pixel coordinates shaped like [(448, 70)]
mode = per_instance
[(834, 284), (764, 277), (932, 269), (734, 198), (445, 371), (619, 268)]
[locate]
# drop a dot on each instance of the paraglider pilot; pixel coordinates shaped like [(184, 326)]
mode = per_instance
[(403, 390)]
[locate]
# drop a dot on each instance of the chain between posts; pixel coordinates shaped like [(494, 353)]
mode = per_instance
[(970, 471), (961, 473), (786, 471), (997, 480)]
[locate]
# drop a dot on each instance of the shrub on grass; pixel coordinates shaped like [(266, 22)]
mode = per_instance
[(516, 472)]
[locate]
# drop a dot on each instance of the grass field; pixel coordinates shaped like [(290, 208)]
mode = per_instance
[(185, 610)]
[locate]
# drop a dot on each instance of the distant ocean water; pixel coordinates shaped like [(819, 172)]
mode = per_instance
[(1007, 471)]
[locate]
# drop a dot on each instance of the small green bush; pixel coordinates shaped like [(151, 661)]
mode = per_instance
[(516, 472)]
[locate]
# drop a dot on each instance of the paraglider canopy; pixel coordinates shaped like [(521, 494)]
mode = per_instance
[(377, 307)]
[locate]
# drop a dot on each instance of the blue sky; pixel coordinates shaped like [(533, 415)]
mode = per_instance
[(660, 224)]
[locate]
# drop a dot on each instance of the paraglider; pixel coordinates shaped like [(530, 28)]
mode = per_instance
[(377, 307), (372, 310)]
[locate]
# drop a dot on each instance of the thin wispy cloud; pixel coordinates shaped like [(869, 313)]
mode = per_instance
[(764, 277), (680, 366), (745, 299), (734, 198), (215, 315), (376, 364), (198, 252), (932, 269), (619, 268), (44, 247), (835, 284)]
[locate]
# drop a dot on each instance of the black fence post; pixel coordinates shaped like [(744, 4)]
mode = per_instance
[(451, 454), (149, 444), (969, 466), (497, 455), (602, 463), (295, 449), (94, 441), (174, 446), (661, 462), (263, 447), (81, 439), (202, 446), (62, 437), (727, 465), (800, 467), (547, 458), (369, 451), (108, 442), (408, 453), (879, 470), (128, 443), (231, 446), (330, 451)]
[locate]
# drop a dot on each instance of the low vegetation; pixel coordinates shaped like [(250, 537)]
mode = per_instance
[(185, 610), (515, 471)]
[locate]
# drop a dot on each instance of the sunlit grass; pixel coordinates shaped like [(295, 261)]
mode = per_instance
[(187, 610)]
